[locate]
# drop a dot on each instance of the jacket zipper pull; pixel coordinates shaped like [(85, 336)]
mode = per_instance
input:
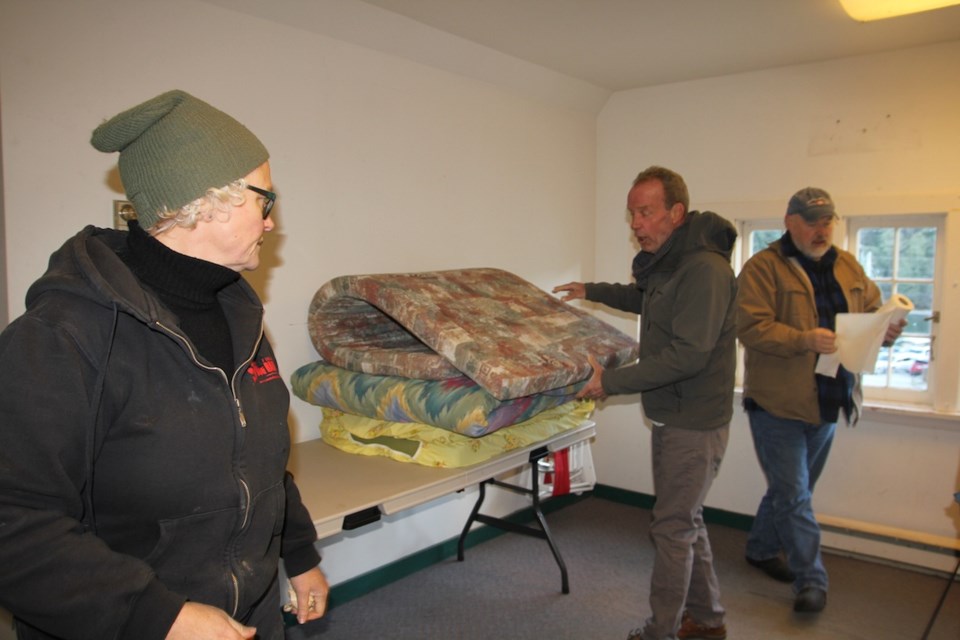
[(243, 418)]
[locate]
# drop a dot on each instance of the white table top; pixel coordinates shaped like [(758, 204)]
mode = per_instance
[(335, 484)]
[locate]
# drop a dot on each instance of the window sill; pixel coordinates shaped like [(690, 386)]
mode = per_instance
[(900, 413), (910, 415)]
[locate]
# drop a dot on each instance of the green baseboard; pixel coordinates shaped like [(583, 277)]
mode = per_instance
[(361, 585), (645, 501)]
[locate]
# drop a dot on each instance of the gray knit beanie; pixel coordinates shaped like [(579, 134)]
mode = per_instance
[(173, 149)]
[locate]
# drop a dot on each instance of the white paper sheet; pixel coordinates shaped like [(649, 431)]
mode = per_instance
[(860, 336)]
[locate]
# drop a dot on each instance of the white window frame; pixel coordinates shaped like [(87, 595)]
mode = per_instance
[(854, 225)]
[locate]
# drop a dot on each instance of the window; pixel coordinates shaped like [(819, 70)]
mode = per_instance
[(899, 253), (902, 254), (760, 238)]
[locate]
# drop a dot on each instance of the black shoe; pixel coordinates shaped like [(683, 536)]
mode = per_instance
[(810, 600), (774, 567)]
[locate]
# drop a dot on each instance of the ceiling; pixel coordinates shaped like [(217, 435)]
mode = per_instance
[(625, 44)]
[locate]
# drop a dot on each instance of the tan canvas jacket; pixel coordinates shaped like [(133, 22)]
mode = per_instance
[(775, 306)]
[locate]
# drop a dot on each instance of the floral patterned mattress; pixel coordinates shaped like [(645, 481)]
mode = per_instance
[(500, 331), (457, 404)]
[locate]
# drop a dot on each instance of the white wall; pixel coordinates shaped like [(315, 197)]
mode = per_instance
[(876, 128), (381, 165)]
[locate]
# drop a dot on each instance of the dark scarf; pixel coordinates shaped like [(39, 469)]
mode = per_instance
[(645, 263), (188, 287), (834, 393)]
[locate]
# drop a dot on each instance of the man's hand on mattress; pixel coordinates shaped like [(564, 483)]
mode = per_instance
[(572, 291), (594, 387), (310, 588)]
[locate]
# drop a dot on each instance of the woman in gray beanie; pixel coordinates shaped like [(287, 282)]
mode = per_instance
[(143, 485)]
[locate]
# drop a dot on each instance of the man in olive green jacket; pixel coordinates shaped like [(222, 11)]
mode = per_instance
[(684, 291)]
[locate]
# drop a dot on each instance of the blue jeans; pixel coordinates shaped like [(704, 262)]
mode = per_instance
[(792, 454)]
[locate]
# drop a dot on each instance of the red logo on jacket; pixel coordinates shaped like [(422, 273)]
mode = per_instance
[(264, 371)]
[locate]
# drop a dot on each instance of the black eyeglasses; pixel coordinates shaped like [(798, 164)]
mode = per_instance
[(269, 197)]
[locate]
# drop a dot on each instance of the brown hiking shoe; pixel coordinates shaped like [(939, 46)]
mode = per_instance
[(692, 630)]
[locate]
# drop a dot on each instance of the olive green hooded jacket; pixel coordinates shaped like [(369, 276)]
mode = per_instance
[(685, 296)]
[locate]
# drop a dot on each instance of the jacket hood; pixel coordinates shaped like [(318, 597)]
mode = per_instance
[(707, 231), (88, 265), (702, 231)]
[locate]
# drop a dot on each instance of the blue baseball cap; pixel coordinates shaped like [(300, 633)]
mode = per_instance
[(812, 204)]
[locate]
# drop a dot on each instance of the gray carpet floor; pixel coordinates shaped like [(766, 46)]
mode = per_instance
[(509, 587)]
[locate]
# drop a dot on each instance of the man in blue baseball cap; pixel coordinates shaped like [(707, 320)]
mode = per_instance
[(788, 298)]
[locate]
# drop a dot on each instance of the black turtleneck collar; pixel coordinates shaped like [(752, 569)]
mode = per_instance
[(191, 281), (188, 287)]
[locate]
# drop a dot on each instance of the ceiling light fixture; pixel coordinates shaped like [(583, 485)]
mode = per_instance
[(866, 10)]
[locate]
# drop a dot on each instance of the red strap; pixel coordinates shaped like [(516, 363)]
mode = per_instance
[(561, 473)]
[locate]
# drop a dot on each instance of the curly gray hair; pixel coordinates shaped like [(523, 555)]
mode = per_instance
[(217, 200)]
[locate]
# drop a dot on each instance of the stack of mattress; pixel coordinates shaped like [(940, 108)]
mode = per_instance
[(412, 362)]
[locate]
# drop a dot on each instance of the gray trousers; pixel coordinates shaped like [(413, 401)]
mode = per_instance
[(685, 462)]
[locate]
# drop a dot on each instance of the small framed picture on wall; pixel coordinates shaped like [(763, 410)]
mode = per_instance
[(123, 212)]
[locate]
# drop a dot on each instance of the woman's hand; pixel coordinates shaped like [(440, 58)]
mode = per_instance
[(203, 622), (311, 589)]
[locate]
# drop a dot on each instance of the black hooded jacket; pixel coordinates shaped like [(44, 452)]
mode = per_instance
[(135, 475), (685, 295)]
